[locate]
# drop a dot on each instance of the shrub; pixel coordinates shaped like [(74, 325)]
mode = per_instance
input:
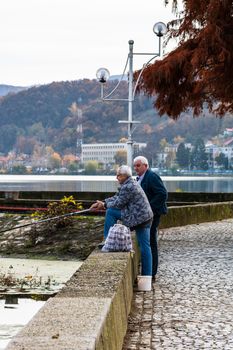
[(66, 205)]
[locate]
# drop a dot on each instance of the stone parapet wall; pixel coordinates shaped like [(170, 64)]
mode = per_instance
[(194, 214), (90, 312)]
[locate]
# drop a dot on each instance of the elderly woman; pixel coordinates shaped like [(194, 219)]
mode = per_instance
[(131, 206)]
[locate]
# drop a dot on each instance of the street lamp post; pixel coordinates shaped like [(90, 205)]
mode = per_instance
[(103, 75)]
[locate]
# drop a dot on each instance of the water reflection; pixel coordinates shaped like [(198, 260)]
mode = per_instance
[(88, 183), (199, 184), (58, 183), (11, 302), (14, 318)]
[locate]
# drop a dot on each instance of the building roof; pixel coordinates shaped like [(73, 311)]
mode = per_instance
[(228, 142)]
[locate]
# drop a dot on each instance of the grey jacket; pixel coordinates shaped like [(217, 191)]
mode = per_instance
[(134, 205)]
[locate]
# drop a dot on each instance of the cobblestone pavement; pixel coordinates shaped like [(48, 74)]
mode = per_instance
[(191, 304)]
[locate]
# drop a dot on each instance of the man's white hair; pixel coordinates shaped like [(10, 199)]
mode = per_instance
[(142, 159), (125, 170)]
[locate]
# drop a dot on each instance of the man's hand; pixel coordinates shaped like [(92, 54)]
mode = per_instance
[(98, 205)]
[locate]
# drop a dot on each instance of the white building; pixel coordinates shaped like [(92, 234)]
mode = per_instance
[(105, 152), (214, 151), (228, 132), (170, 151)]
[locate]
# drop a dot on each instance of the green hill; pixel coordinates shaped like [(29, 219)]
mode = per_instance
[(9, 89), (43, 115)]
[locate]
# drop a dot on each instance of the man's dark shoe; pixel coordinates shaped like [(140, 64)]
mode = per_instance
[(153, 278)]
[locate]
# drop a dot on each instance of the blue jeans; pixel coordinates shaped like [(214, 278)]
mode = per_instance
[(111, 217), (143, 238)]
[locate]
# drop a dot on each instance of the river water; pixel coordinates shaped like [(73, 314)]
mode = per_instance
[(13, 317), (88, 183)]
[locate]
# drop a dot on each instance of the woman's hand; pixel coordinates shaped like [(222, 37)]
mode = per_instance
[(98, 205)]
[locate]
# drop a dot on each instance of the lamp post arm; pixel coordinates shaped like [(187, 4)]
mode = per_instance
[(142, 70), (114, 89), (159, 54), (115, 99), (146, 54)]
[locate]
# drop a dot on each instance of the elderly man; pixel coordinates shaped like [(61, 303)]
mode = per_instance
[(157, 195), (131, 206)]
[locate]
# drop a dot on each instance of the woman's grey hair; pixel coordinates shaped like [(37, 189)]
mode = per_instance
[(143, 160), (124, 170)]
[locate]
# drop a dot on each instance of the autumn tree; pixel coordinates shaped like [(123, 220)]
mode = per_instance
[(73, 167), (54, 160), (169, 160), (121, 157), (38, 131), (163, 143), (222, 160), (25, 144), (69, 159), (178, 139), (198, 72), (19, 169), (183, 156), (199, 157), (91, 167), (74, 110), (123, 140), (8, 136)]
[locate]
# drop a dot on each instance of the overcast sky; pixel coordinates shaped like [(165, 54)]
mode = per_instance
[(53, 40)]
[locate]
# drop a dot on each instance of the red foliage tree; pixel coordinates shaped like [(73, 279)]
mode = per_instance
[(199, 72)]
